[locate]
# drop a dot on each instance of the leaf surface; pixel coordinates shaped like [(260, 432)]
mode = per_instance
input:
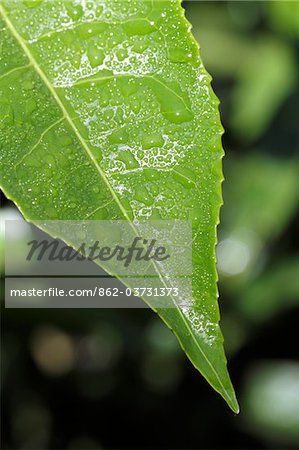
[(107, 113)]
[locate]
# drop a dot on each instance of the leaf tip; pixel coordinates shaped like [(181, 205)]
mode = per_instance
[(231, 400)]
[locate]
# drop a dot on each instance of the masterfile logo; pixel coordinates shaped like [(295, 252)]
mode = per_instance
[(139, 250)]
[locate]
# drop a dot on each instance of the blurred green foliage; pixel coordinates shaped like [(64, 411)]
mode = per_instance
[(124, 367), (261, 63), (272, 397)]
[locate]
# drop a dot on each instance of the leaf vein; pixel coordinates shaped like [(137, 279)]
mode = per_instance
[(51, 88), (53, 125), (16, 69)]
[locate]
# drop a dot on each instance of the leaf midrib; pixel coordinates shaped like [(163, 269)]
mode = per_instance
[(65, 112), (84, 145)]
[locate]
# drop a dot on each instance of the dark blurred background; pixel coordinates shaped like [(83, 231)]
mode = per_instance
[(117, 379)]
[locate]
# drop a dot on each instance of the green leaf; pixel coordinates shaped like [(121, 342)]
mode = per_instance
[(107, 113)]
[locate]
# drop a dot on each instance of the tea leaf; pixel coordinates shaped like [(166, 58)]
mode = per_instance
[(107, 113)]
